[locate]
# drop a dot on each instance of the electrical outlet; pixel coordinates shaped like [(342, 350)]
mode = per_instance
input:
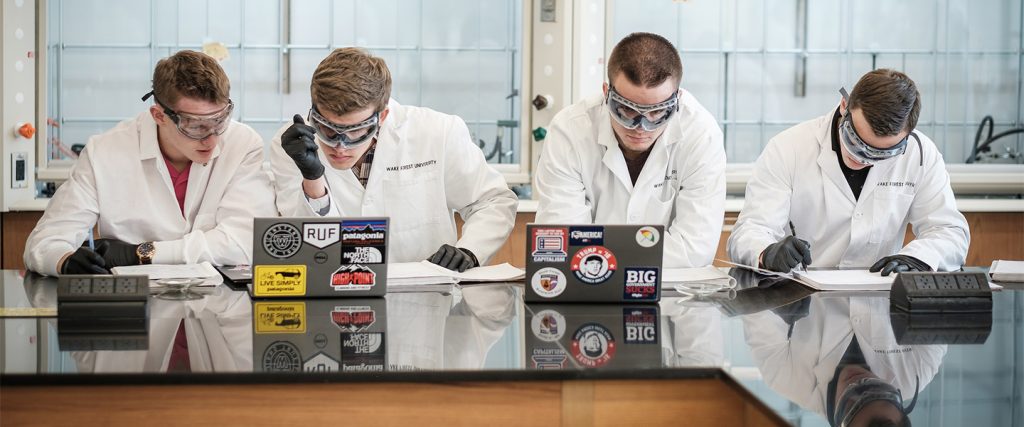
[(924, 282), (103, 285), (946, 282), (968, 282), (79, 286), (126, 285)]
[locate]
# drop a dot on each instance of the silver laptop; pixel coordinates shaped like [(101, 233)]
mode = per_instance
[(319, 257), (594, 263)]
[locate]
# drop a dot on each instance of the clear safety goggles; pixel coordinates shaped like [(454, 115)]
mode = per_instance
[(347, 137), (197, 127), (858, 149), (648, 117), (859, 394)]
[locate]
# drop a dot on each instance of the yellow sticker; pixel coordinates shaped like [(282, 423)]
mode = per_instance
[(279, 280), (280, 317)]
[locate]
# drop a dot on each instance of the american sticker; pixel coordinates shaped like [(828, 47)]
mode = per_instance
[(321, 235), (593, 346), (320, 363), (641, 284), (353, 278), (594, 264), (364, 233), (549, 244), (353, 318), (363, 351), (548, 325), (362, 254), (583, 236), (549, 358), (282, 356), (641, 325), (279, 280), (282, 240), (280, 317), (548, 282)]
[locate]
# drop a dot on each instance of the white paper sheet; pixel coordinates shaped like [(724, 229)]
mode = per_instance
[(167, 271)]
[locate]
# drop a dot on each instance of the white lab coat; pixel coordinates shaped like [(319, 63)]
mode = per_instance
[(798, 179), (582, 178), (801, 366), (121, 181), (424, 167), (691, 334)]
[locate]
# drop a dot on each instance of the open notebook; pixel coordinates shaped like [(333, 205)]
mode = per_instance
[(428, 273)]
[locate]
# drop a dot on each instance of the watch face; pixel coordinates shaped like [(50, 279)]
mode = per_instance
[(146, 250)]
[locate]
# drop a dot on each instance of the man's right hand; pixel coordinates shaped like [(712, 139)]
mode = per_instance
[(84, 261), (785, 254), (299, 142)]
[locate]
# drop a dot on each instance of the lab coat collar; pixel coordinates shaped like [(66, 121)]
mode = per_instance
[(827, 158), (613, 158)]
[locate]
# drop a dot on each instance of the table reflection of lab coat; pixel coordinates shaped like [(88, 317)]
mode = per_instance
[(691, 335), (801, 366), (218, 329), (433, 331)]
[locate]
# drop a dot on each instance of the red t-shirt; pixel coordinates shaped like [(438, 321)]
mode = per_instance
[(180, 182)]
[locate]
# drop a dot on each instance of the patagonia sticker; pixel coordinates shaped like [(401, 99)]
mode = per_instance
[(364, 232), (279, 280), (280, 318)]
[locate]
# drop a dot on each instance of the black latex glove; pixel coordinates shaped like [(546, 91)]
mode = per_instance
[(299, 142), (785, 254), (452, 258), (84, 261), (117, 253), (899, 264)]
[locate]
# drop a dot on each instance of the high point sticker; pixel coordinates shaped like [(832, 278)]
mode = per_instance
[(353, 278), (280, 318), (279, 280), (353, 318)]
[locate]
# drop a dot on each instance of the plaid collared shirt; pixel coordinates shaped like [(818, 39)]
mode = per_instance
[(362, 171)]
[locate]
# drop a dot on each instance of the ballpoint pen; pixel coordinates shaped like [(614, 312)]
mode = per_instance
[(792, 230), (92, 244)]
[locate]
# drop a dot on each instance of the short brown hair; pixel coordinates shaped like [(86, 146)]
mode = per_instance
[(190, 74), (889, 101), (646, 60), (350, 79)]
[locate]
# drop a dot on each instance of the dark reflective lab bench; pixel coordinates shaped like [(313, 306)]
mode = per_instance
[(764, 354)]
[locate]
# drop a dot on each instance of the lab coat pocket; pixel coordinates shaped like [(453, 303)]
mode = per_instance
[(419, 198), (889, 214), (660, 211)]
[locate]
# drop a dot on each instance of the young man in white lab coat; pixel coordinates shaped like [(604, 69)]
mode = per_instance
[(360, 153), (839, 190), (644, 152), (179, 183)]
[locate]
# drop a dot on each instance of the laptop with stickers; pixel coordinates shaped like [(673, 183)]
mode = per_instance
[(319, 257), (593, 263)]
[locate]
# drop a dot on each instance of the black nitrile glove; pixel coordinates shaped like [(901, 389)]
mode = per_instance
[(899, 264), (117, 253), (452, 258), (299, 142), (84, 261), (785, 254)]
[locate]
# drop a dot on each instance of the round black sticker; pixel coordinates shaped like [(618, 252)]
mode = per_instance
[(282, 356), (282, 240)]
